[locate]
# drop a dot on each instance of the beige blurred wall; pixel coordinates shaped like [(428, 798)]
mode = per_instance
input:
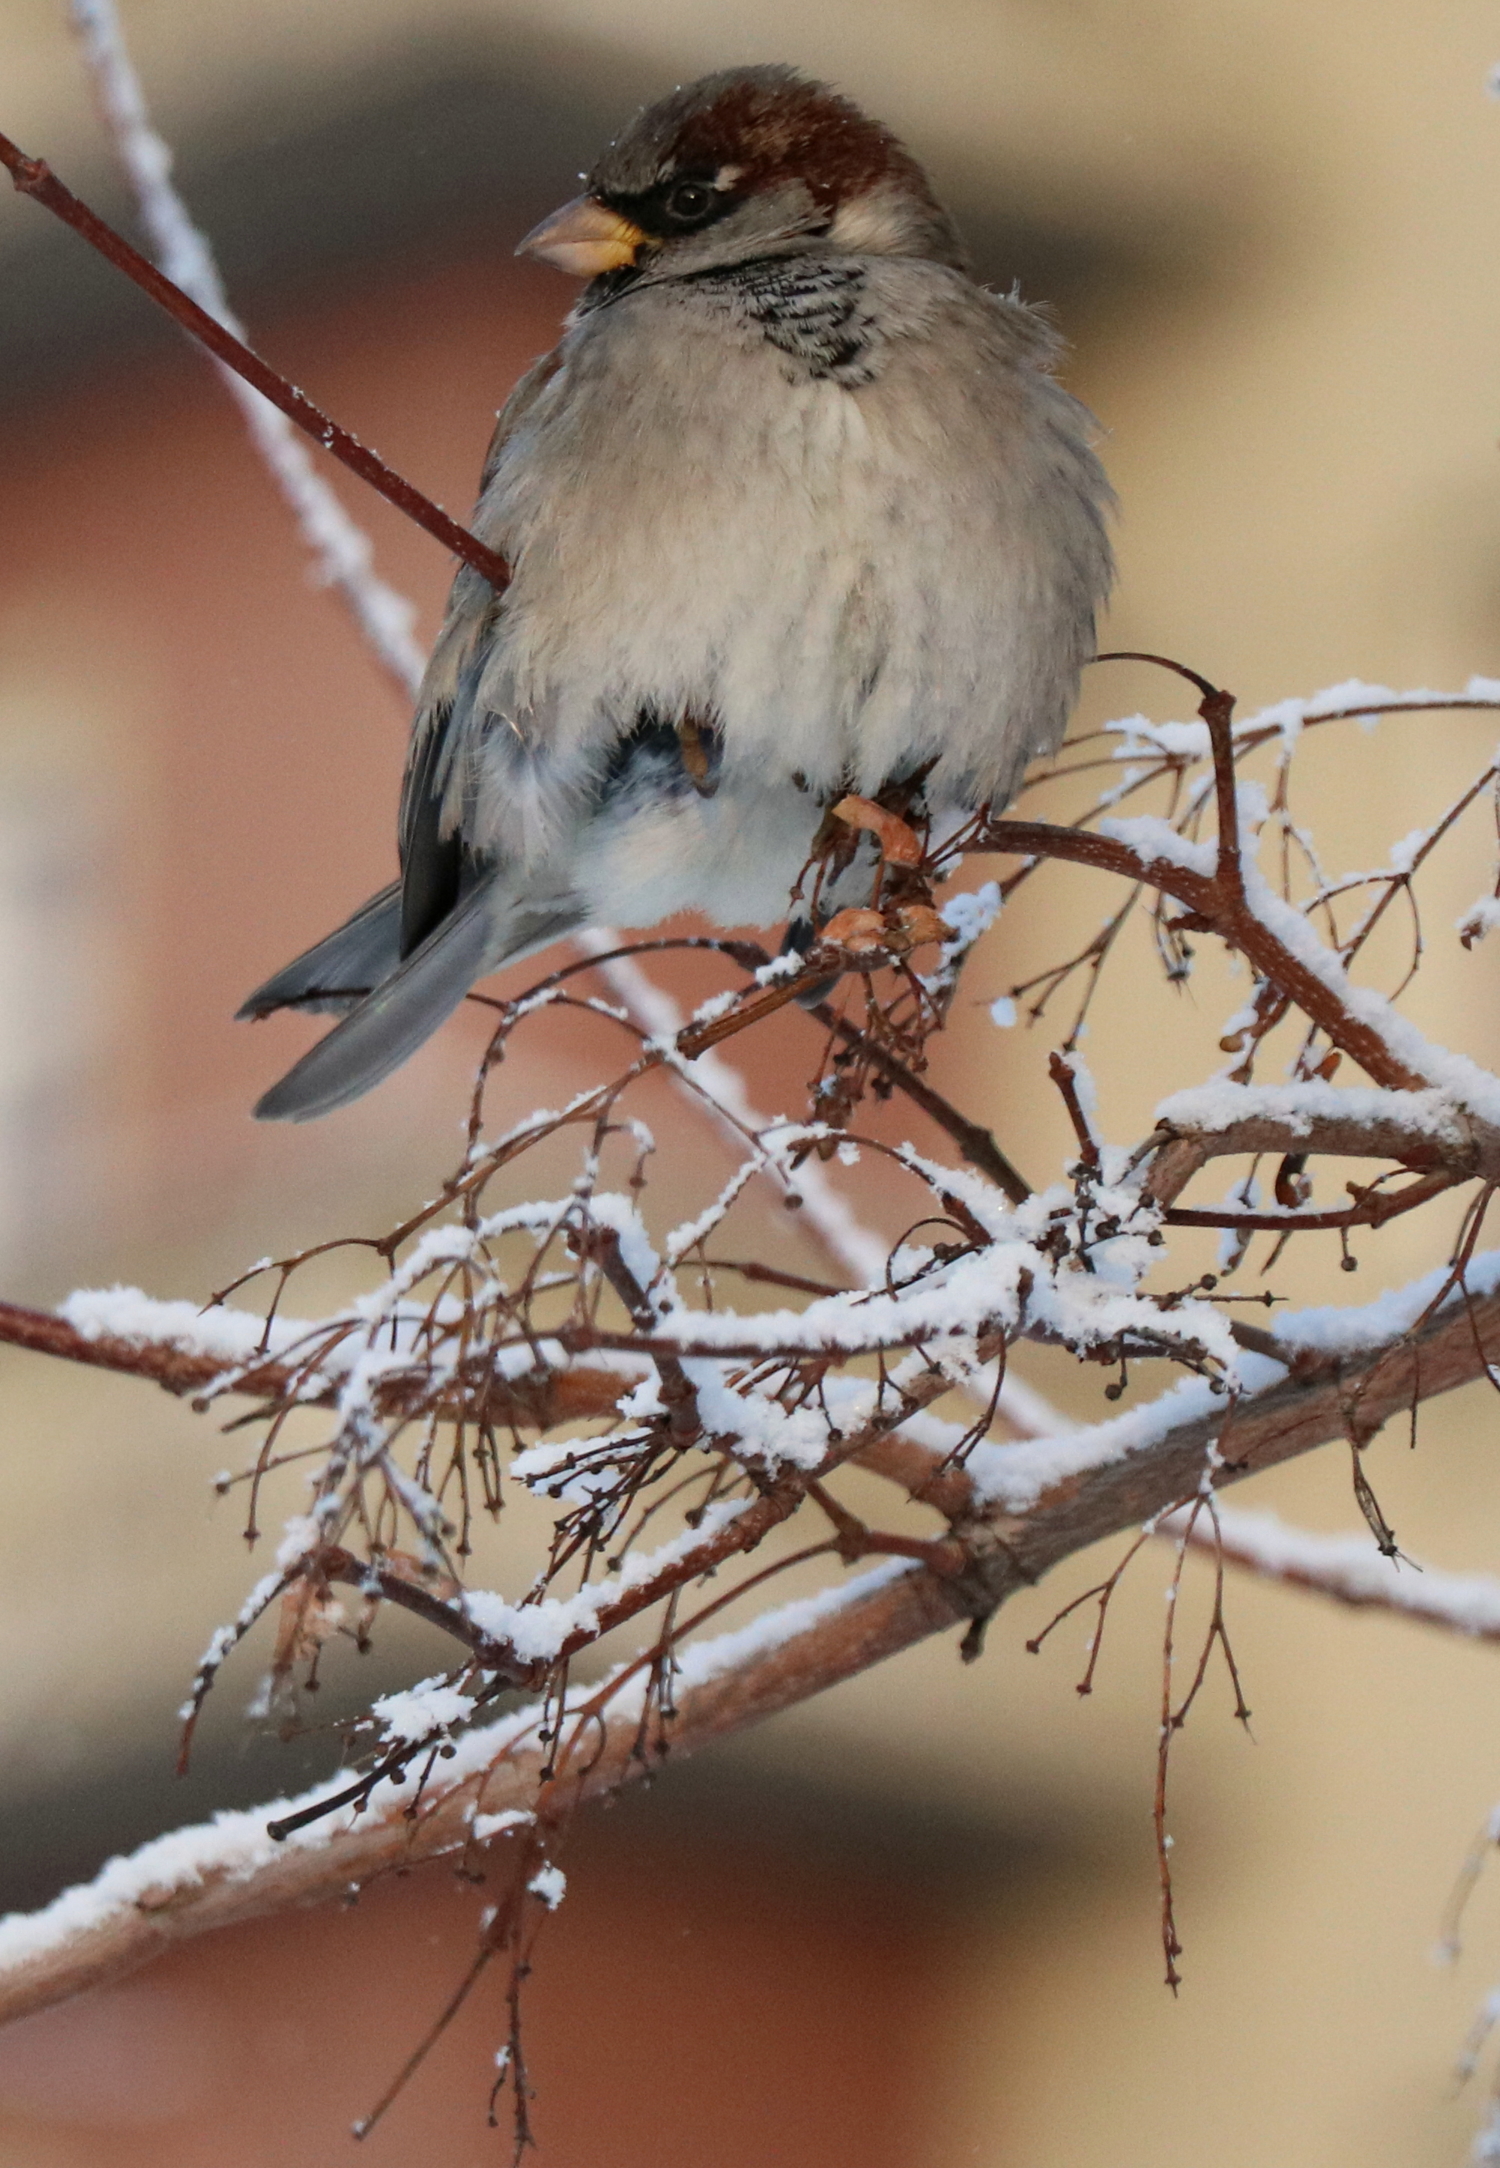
[(1289, 332)]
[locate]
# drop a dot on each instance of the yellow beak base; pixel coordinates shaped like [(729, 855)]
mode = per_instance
[(584, 238)]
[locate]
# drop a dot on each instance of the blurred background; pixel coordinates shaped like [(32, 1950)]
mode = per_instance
[(914, 1923)]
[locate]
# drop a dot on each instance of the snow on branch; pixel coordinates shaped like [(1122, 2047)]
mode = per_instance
[(1431, 1129), (234, 1868), (1349, 1569)]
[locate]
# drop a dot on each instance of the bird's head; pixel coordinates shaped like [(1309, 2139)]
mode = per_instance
[(748, 163)]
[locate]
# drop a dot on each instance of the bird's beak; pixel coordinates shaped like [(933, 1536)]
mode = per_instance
[(585, 237)]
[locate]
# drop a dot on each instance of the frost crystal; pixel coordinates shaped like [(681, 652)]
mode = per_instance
[(550, 1884)]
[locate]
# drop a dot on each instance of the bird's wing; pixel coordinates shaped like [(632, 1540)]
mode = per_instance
[(338, 970), (388, 1026), (436, 867)]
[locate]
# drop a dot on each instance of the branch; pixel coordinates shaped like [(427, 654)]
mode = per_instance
[(853, 1247), (1428, 1131), (1348, 1568), (34, 177), (1371, 1208), (1316, 992), (537, 1400), (1102, 1482), (231, 1870), (976, 1144), (1230, 899)]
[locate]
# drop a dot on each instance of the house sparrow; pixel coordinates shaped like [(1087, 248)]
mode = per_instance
[(794, 508)]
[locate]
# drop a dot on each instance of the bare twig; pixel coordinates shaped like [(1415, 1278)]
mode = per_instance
[(35, 178)]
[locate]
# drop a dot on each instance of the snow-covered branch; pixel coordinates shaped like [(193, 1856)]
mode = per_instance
[(1434, 1130), (1053, 1499), (1349, 1569), (194, 1353)]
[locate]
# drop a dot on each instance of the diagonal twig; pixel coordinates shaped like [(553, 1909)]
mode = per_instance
[(35, 178)]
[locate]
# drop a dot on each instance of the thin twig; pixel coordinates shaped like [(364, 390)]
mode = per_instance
[(34, 177)]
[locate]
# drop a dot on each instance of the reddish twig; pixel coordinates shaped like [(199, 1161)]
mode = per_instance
[(538, 1402), (1216, 707), (1371, 1209), (976, 1144), (35, 178), (1235, 923), (1064, 1074)]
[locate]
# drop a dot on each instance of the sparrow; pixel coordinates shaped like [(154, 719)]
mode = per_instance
[(794, 508)]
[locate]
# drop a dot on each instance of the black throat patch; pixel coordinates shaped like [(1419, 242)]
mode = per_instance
[(812, 309)]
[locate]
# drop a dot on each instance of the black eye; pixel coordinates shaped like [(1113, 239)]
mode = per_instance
[(688, 201)]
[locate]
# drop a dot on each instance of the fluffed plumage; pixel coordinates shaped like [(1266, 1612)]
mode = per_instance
[(794, 507)]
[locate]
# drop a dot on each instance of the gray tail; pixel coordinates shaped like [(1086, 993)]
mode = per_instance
[(341, 969), (388, 1025)]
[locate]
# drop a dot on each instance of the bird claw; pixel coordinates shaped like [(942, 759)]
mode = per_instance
[(900, 845), (862, 932)]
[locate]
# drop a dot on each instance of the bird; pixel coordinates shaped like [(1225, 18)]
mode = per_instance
[(795, 508)]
